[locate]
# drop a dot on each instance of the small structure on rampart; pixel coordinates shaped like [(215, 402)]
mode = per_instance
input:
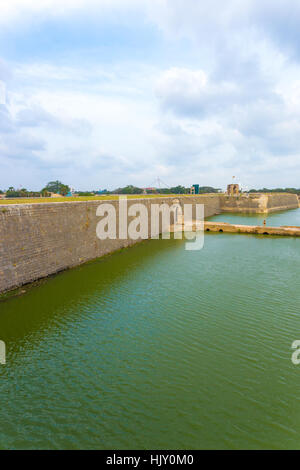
[(233, 190)]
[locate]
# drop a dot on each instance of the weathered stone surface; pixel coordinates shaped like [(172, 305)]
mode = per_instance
[(37, 240), (287, 231), (258, 203)]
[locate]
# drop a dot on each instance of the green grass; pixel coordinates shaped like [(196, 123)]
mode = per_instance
[(39, 200)]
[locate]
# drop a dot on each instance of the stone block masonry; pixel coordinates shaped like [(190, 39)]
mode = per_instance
[(258, 203), (37, 240)]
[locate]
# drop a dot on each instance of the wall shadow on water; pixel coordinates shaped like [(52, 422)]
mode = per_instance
[(58, 300)]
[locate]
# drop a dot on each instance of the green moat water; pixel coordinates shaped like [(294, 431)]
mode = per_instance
[(158, 347), (291, 217)]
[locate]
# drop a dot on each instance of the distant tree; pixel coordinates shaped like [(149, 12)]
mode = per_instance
[(128, 190), (182, 190), (65, 189), (208, 189), (276, 190), (23, 192), (164, 191), (56, 187), (174, 190), (85, 193), (12, 192), (178, 190)]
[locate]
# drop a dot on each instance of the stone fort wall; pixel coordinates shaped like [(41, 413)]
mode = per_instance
[(258, 203), (37, 240)]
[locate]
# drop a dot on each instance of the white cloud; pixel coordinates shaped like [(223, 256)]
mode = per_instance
[(101, 131), (190, 92), (221, 94), (211, 125), (24, 10)]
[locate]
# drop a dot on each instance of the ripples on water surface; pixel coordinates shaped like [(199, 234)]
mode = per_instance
[(275, 219), (158, 347)]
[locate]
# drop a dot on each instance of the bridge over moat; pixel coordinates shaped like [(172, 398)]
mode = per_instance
[(224, 227)]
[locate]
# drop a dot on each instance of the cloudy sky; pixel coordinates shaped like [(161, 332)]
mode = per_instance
[(104, 93)]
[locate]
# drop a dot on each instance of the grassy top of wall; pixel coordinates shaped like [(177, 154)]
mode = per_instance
[(111, 197), (39, 200)]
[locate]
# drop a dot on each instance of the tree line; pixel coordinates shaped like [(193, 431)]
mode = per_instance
[(52, 187), (57, 187), (276, 190)]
